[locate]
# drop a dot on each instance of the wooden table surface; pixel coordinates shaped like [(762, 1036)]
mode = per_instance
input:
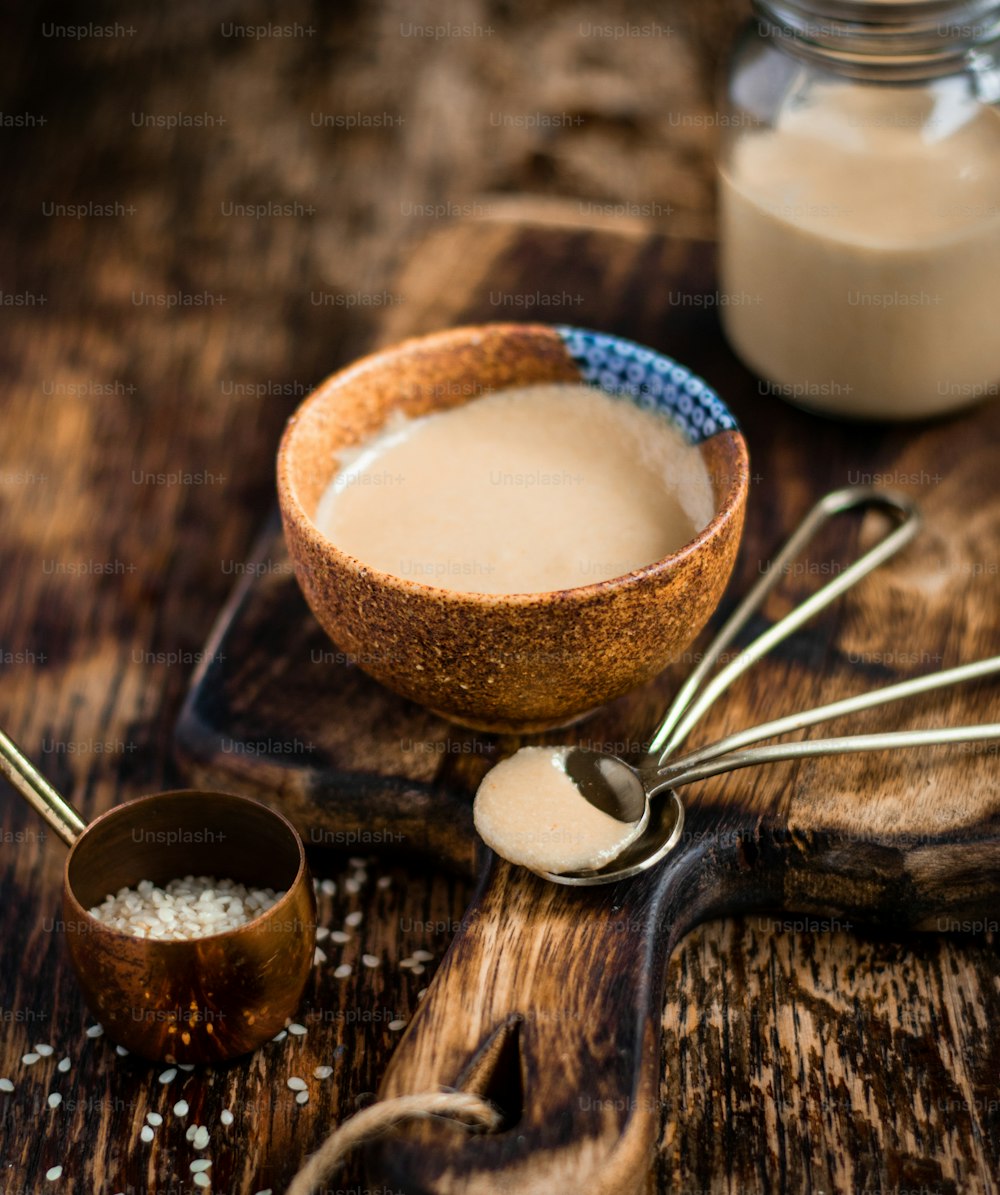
[(794, 1059)]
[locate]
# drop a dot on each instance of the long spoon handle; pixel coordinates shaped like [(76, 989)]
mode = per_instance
[(892, 740), (693, 700), (824, 713), (39, 794)]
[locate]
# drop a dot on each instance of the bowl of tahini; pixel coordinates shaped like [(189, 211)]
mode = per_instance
[(513, 524)]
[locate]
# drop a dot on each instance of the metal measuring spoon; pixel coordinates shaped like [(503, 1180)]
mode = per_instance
[(198, 999), (622, 783)]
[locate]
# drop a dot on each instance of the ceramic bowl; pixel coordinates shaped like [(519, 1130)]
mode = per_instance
[(508, 662)]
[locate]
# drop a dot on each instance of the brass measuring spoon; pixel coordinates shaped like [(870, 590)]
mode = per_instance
[(625, 792), (195, 1000)]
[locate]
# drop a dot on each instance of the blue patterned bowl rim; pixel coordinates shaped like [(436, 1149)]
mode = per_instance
[(652, 380)]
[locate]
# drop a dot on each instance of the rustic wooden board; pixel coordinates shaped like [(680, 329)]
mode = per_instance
[(753, 1056)]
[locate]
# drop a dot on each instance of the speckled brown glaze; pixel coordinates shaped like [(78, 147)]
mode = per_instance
[(500, 662)]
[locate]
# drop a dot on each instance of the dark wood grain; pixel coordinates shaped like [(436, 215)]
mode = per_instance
[(799, 1057), (842, 843)]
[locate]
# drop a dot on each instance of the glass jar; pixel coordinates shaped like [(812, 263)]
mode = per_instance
[(859, 204)]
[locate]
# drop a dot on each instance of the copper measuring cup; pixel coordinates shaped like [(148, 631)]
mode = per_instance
[(201, 999)]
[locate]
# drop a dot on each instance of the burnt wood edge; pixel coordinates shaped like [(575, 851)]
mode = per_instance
[(728, 863)]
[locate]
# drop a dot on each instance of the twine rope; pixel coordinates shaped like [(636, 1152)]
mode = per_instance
[(371, 1122)]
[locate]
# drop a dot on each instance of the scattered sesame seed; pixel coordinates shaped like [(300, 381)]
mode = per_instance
[(395, 1026), (323, 1072), (328, 888), (383, 882), (342, 971), (422, 993), (200, 1139), (55, 1099), (322, 933), (53, 1173), (297, 1030), (296, 1084), (169, 1075), (43, 1050), (202, 1180), (185, 1066), (408, 962), (302, 1097), (200, 1164), (370, 960), (155, 1119), (266, 1191), (146, 1133), (95, 1030), (318, 957), (339, 937), (352, 886), (280, 1035), (422, 956), (192, 1129), (29, 1059), (181, 1108), (418, 969), (226, 1117), (6, 1085), (353, 919), (64, 1065), (121, 1051)]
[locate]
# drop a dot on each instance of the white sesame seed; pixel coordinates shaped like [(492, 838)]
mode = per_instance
[(296, 1084), (370, 960), (121, 1051), (64, 1065), (383, 882), (322, 933), (328, 888), (323, 1072), (280, 1035), (29, 1059), (418, 969), (302, 1097), (266, 1191), (6, 1085), (200, 1164), (202, 1180), (95, 1030), (352, 920), (192, 1129), (342, 971), (297, 1030), (55, 1099), (422, 956), (422, 993), (226, 1117), (146, 1133), (53, 1173), (185, 1066), (188, 907), (318, 957), (155, 1119), (43, 1050), (352, 886), (169, 1075), (200, 1139), (339, 937), (395, 1026), (181, 1108)]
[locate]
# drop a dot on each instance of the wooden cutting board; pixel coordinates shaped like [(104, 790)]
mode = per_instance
[(796, 1055)]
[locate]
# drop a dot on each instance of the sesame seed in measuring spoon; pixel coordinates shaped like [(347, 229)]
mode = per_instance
[(140, 901), (533, 812)]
